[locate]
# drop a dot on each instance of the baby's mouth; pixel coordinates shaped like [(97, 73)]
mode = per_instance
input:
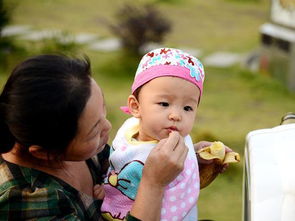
[(172, 128)]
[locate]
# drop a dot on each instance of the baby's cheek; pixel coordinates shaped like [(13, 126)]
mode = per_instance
[(187, 130)]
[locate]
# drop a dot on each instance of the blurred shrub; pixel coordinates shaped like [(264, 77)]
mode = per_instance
[(170, 1), (59, 43), (139, 25), (10, 53), (8, 48), (5, 44), (244, 1), (4, 16), (121, 66)]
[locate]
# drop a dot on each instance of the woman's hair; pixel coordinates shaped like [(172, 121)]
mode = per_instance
[(42, 101)]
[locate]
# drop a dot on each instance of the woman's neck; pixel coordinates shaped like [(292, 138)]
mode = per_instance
[(19, 156)]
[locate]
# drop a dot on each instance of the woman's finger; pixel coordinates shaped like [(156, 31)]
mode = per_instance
[(183, 155), (180, 152), (172, 141)]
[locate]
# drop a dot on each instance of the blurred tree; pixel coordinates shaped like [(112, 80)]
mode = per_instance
[(6, 45), (4, 17), (140, 25), (170, 1), (59, 43)]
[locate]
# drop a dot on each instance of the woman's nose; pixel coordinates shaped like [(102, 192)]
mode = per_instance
[(109, 125)]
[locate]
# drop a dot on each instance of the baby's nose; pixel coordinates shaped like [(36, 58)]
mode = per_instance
[(175, 116)]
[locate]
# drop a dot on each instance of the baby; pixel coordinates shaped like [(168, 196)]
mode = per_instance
[(165, 96)]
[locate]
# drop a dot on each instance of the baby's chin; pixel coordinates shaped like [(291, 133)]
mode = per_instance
[(158, 138)]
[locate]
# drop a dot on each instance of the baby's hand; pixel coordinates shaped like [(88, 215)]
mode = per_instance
[(204, 144), (213, 158), (98, 192)]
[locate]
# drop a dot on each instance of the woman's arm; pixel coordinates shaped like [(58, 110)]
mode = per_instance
[(164, 163)]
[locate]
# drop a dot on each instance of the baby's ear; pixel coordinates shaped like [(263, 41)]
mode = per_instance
[(133, 106)]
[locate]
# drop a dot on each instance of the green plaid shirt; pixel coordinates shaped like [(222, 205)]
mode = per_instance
[(29, 194)]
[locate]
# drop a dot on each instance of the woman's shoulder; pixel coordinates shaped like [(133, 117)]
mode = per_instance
[(29, 193), (24, 192), (28, 182), (16, 176), (12, 175)]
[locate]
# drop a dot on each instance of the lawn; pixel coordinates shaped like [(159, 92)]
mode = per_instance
[(209, 25), (235, 100)]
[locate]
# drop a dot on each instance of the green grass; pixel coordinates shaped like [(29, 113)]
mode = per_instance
[(210, 25), (235, 101)]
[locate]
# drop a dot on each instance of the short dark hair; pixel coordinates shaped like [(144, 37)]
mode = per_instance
[(136, 92), (42, 102)]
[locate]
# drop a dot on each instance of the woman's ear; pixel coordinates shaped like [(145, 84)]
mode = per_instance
[(38, 152), (134, 106)]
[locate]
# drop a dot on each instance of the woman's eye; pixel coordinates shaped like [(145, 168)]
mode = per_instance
[(163, 104), (188, 108)]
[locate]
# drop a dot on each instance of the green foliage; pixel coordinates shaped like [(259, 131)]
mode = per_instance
[(62, 43), (170, 1), (140, 25), (4, 16), (6, 45), (244, 1), (10, 53), (120, 67)]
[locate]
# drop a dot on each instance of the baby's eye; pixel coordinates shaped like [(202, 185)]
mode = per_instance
[(188, 108), (163, 104)]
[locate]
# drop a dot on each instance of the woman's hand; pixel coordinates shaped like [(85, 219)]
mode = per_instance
[(166, 160), (162, 166)]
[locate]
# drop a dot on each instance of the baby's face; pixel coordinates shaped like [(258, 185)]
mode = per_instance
[(167, 104)]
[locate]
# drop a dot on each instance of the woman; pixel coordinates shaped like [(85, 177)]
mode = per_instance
[(53, 135)]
